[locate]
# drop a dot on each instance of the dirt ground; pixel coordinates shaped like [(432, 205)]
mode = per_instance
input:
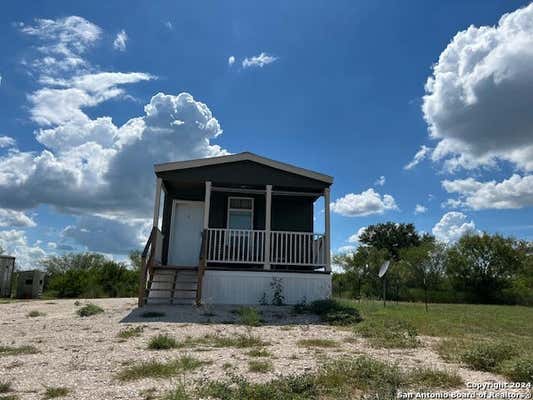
[(85, 354)]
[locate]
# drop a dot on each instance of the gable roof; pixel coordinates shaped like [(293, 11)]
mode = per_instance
[(245, 156)]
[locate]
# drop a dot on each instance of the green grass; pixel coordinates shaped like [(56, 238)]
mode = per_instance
[(249, 316), (239, 341), (15, 351), (317, 343), (488, 356), (152, 314), (388, 333), (178, 393), (35, 313), (433, 378), (9, 397), (156, 369), (55, 392), (260, 366), (132, 331), (89, 309), (334, 312), (258, 353), (519, 369), (5, 387), (163, 342)]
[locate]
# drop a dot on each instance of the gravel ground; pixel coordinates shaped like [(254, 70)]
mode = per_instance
[(85, 354)]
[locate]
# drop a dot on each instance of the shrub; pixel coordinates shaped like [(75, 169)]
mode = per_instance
[(179, 393), (488, 356), (89, 309), (35, 313), (249, 316), (132, 331), (162, 342), (389, 333), (334, 312), (156, 369), (278, 299), (5, 387), (258, 353), (434, 378), (260, 366), (317, 343), (519, 369), (54, 392)]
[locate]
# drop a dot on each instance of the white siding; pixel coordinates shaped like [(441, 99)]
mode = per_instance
[(242, 287)]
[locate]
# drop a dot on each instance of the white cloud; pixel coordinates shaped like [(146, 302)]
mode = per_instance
[(515, 192), (452, 226), (478, 100), (420, 209), (355, 237), (90, 167), (6, 141), (15, 243), (418, 157), (169, 25), (380, 181), (364, 203), (346, 249), (231, 60), (52, 245), (258, 61), (120, 41), (15, 219)]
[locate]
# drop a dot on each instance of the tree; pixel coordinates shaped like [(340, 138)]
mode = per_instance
[(135, 259), (426, 265), (485, 265), (392, 237)]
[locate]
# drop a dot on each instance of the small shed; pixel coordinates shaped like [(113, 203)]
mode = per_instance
[(30, 284), (7, 267)]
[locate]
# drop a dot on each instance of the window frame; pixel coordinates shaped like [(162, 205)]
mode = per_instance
[(251, 210)]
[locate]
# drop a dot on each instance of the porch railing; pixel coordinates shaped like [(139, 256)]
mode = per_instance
[(150, 257), (241, 246)]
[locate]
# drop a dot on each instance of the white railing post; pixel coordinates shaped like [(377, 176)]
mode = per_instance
[(327, 229), (268, 219)]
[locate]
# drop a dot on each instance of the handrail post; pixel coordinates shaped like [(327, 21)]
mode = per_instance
[(327, 229), (201, 267), (142, 282), (268, 220)]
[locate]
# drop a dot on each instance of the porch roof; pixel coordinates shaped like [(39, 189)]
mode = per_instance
[(167, 170)]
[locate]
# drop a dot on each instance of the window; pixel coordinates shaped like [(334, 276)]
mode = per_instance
[(240, 213)]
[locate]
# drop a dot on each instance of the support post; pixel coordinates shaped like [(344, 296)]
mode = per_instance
[(157, 202), (207, 203), (268, 220), (327, 229)]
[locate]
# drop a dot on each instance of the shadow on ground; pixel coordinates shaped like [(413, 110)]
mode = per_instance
[(219, 314)]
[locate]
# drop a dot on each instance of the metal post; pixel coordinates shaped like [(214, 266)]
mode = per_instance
[(207, 204), (327, 228)]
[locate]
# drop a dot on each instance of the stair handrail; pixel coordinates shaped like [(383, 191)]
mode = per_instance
[(201, 267), (147, 263)]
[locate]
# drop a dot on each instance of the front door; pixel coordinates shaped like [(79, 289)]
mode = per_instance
[(186, 235)]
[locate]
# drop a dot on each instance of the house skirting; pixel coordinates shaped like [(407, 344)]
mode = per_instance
[(250, 287)]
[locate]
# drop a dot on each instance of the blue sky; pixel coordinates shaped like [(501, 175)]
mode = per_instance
[(337, 87)]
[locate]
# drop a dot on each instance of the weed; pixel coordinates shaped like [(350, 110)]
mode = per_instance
[(434, 378), (35, 313), (152, 314), (227, 366), (390, 333), (334, 312), (278, 299), (132, 331), (9, 397), (519, 369), (249, 316), (14, 351), (179, 393), (5, 387), (54, 392), (163, 342), (260, 366), (258, 353), (156, 369), (89, 309), (317, 343), (488, 356)]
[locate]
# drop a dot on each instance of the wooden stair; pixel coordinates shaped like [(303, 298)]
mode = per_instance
[(171, 284)]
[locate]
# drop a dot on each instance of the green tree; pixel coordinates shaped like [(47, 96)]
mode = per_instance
[(392, 237)]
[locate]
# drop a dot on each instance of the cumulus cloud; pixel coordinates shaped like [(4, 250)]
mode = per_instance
[(346, 249), (515, 192), (258, 61), (420, 209), (452, 226), (169, 25), (15, 219), (120, 41), (380, 181), (420, 155), (365, 203), (15, 243), (6, 141), (88, 165), (355, 237), (478, 99), (231, 60)]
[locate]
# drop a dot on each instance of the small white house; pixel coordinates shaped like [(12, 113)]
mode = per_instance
[(235, 229)]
